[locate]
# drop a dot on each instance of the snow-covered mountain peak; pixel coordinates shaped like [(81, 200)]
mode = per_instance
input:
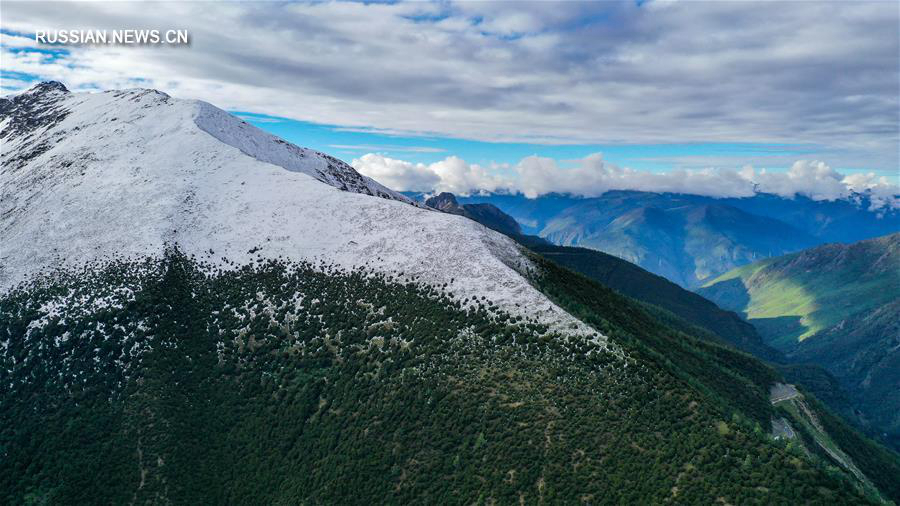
[(49, 102), (25, 114), (47, 87), (87, 176), (268, 148)]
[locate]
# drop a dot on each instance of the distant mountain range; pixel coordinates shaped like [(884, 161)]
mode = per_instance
[(837, 306), (690, 239), (846, 296)]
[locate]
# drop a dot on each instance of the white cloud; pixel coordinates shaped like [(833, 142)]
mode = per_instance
[(592, 176), (399, 175), (452, 174), (811, 178), (880, 189), (456, 175), (16, 41)]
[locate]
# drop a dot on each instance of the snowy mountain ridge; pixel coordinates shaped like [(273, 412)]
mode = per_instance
[(88, 176), (268, 148)]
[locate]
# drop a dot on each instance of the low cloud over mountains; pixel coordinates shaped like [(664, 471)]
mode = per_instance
[(592, 176)]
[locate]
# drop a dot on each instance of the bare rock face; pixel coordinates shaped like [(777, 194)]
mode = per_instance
[(25, 116), (488, 215), (444, 202)]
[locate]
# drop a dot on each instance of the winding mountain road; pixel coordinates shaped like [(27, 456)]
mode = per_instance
[(782, 392)]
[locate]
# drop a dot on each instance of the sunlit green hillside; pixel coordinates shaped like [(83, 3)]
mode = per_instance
[(837, 306)]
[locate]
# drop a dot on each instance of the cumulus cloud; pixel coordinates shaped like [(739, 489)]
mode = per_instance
[(452, 174), (880, 190), (399, 175), (814, 73), (592, 176), (811, 178)]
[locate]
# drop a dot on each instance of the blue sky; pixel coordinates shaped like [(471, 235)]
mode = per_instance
[(349, 143)]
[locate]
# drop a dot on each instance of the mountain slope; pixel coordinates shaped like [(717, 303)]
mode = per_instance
[(213, 328), (835, 306), (628, 279), (713, 369), (682, 241), (635, 282), (173, 381), (687, 238), (123, 173), (691, 311)]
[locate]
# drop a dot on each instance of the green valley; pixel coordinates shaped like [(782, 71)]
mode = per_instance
[(835, 306)]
